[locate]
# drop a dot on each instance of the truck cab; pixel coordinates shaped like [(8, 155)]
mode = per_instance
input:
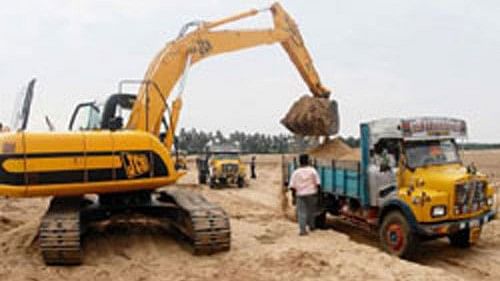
[(410, 185)]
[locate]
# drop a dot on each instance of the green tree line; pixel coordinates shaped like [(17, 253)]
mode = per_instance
[(195, 141)]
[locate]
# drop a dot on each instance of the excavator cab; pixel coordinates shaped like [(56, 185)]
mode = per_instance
[(112, 115), (86, 117), (95, 116)]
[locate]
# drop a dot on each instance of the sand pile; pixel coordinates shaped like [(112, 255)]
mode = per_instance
[(310, 116), (354, 155), (334, 149)]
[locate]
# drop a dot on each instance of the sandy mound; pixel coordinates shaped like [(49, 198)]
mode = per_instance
[(310, 116), (335, 149), (354, 155)]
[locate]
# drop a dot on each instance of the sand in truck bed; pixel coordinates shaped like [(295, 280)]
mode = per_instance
[(334, 149)]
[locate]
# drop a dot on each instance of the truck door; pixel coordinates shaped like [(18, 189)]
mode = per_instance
[(383, 169)]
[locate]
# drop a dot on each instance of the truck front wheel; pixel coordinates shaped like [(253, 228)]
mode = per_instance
[(212, 183), (202, 179), (240, 182), (397, 237), (462, 238)]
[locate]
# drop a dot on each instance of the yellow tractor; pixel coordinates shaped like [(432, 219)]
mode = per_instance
[(121, 151)]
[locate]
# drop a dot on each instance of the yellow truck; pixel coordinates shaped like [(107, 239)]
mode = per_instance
[(223, 167), (410, 185)]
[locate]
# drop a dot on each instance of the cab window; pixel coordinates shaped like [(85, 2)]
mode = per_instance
[(427, 153), (86, 117)]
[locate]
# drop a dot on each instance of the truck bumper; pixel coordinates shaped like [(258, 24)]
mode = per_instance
[(450, 227)]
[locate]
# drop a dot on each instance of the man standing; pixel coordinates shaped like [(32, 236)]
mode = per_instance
[(252, 168), (305, 183)]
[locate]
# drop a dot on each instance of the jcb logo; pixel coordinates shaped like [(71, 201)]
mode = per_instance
[(135, 164), (203, 47)]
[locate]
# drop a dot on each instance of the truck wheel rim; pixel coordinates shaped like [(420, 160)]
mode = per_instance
[(395, 237)]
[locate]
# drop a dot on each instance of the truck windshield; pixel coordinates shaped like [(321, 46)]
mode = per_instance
[(434, 152)]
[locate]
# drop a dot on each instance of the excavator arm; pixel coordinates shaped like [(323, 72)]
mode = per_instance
[(189, 48)]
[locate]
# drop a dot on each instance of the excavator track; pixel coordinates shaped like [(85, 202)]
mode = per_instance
[(60, 232), (205, 225)]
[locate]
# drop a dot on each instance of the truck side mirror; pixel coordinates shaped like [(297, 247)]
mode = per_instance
[(471, 169)]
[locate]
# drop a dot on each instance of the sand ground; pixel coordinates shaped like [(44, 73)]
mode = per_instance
[(265, 244)]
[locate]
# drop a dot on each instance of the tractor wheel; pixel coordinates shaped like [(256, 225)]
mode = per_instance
[(397, 237)]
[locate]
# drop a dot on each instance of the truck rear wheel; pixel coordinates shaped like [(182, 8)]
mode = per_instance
[(397, 237), (320, 221)]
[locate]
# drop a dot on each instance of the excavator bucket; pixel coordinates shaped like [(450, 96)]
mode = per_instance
[(312, 116)]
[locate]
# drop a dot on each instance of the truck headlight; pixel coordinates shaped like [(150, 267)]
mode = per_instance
[(492, 200), (438, 211)]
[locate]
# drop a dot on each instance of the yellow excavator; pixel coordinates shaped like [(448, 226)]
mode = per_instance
[(106, 165)]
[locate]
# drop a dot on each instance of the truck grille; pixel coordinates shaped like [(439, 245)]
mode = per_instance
[(230, 168), (470, 197)]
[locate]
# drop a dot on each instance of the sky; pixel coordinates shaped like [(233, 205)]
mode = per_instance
[(384, 58)]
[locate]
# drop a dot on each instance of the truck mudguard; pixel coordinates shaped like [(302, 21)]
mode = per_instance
[(395, 204)]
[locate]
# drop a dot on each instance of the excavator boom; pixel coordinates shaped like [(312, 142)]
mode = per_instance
[(189, 48)]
